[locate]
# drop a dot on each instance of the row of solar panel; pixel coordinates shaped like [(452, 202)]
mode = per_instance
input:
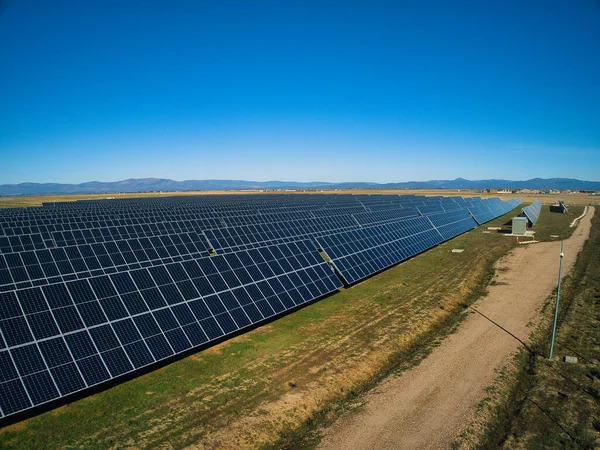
[(234, 238), (532, 212), (125, 226), (45, 216), (131, 212), (230, 239), (84, 260), (60, 264), (101, 231), (357, 254), (170, 205), (238, 239), (25, 242), (11, 228), (65, 337)]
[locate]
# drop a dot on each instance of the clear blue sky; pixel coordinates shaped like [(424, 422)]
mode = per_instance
[(299, 90)]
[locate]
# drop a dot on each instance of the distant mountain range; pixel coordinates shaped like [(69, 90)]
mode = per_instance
[(158, 184)]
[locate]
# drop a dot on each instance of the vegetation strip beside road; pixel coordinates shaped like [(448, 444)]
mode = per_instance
[(279, 379)]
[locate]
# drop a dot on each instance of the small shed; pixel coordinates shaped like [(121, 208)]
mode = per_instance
[(519, 225), (559, 207)]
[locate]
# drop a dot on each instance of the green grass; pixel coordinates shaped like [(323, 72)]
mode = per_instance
[(551, 223), (275, 384), (554, 404)]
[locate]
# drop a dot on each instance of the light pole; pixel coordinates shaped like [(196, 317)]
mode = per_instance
[(562, 247)]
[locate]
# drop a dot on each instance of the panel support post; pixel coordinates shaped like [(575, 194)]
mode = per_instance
[(562, 247)]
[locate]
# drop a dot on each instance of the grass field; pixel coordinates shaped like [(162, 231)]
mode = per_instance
[(274, 385), (539, 403), (550, 224)]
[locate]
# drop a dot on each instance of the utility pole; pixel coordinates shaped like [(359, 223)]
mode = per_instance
[(562, 247)]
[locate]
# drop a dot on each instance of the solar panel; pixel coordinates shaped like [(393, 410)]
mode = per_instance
[(532, 212)]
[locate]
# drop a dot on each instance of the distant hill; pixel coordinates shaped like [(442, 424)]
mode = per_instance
[(161, 184)]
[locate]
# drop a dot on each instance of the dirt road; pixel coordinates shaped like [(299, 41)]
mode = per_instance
[(429, 405)]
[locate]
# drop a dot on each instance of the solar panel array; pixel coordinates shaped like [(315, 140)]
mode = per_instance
[(532, 212), (91, 291), (358, 254)]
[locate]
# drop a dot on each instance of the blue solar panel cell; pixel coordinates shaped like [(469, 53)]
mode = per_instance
[(126, 331), (165, 319), (55, 352), (178, 340), (532, 212), (117, 361), (171, 294), (159, 347), (42, 325), (93, 370), (68, 319), (146, 325), (138, 353), (195, 334), (40, 387), (5, 277), (123, 283), (7, 368), (211, 328), (134, 303), (102, 286), (32, 300), (15, 331), (142, 279), (80, 291), (91, 313), (9, 305), (50, 270), (153, 298), (28, 359), (226, 323), (104, 338), (13, 397), (68, 378), (183, 314), (80, 344)]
